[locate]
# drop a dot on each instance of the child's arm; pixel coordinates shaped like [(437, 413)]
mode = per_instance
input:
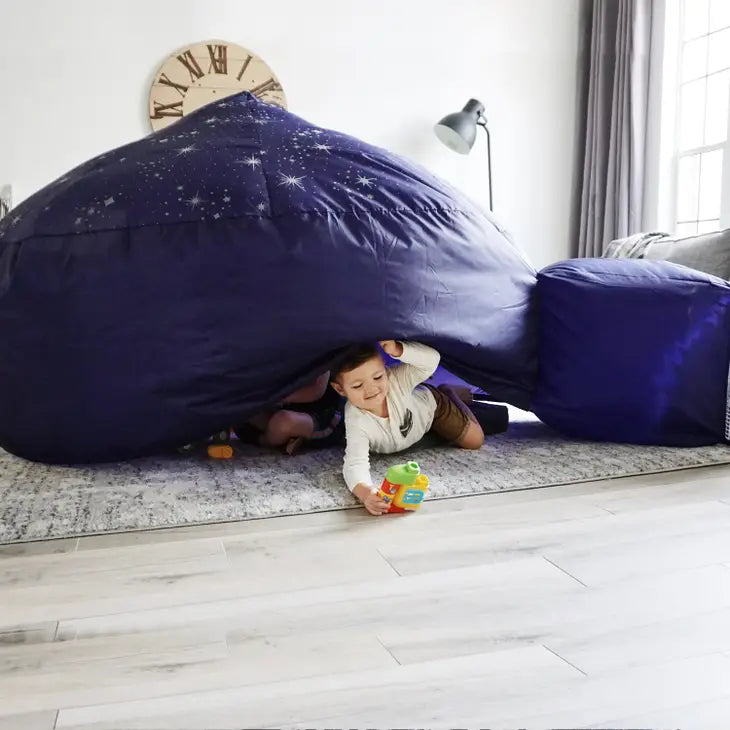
[(419, 362), (356, 469)]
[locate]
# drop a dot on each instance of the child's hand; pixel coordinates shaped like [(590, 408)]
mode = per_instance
[(369, 497), (374, 503), (392, 348)]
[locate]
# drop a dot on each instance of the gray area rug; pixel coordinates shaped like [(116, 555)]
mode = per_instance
[(40, 502)]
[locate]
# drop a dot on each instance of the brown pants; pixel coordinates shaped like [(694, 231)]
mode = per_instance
[(449, 421)]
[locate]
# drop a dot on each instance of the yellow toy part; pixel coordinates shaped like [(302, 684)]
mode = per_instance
[(409, 497)]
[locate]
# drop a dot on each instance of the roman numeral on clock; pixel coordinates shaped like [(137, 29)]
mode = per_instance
[(218, 59), (268, 85), (167, 110), (188, 60), (181, 88), (244, 67)]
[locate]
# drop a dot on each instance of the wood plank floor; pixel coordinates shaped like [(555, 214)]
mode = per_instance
[(605, 604)]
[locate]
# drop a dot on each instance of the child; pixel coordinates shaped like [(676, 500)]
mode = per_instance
[(388, 410), (313, 414)]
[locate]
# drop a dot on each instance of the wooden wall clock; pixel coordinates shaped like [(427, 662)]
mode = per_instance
[(208, 71)]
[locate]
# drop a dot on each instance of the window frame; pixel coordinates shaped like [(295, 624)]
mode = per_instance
[(661, 173)]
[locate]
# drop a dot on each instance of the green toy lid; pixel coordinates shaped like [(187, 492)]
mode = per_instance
[(403, 473)]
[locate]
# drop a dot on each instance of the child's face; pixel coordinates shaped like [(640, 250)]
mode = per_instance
[(366, 386)]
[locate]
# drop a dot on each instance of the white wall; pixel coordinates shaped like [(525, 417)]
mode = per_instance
[(76, 75)]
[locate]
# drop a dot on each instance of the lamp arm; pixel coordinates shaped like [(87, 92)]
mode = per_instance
[(482, 122)]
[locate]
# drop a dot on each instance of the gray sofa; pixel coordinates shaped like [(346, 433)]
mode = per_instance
[(708, 252)]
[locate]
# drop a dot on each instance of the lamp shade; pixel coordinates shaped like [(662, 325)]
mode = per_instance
[(459, 130)]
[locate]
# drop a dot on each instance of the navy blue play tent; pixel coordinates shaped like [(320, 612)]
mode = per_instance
[(173, 286)]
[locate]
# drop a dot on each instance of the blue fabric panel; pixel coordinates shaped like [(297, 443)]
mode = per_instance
[(174, 286), (633, 351)]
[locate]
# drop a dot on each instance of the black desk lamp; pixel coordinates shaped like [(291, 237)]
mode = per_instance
[(459, 130)]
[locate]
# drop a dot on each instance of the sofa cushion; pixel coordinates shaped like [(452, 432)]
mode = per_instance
[(709, 252)]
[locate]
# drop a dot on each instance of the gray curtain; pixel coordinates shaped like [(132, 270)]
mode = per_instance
[(612, 127)]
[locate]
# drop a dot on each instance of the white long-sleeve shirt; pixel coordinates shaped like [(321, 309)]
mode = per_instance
[(410, 414)]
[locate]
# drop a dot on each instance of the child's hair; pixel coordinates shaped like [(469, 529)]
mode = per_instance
[(354, 357)]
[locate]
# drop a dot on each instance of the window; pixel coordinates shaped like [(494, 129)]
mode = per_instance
[(701, 140)]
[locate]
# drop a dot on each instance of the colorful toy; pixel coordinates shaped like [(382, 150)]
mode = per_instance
[(404, 487), (218, 445)]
